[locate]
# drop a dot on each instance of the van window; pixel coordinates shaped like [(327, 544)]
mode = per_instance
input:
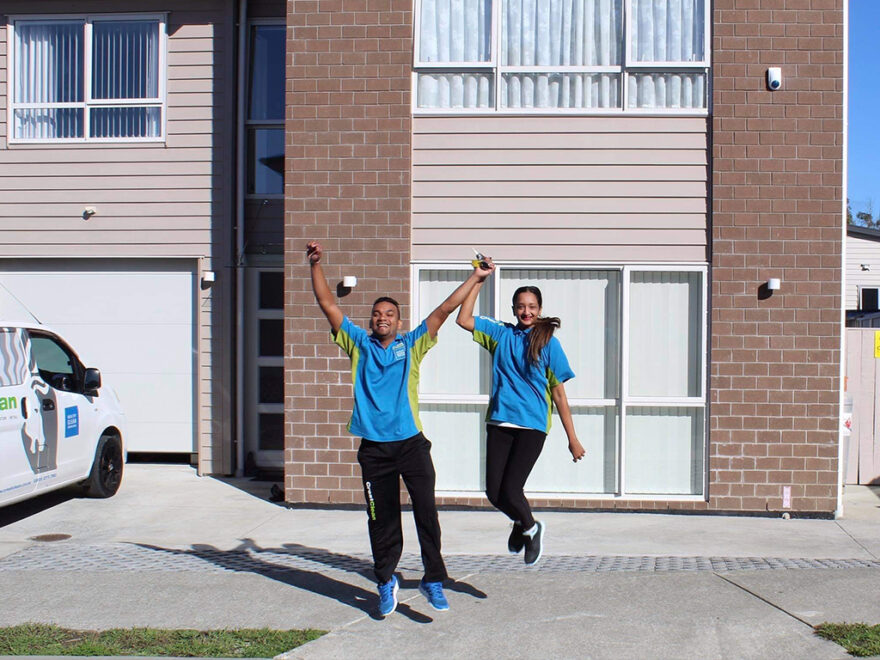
[(13, 360), (57, 366)]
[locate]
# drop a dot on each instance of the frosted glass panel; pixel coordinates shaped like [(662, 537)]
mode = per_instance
[(586, 301), (665, 334), (673, 91), (456, 90), (457, 434), (456, 365), (597, 429), (560, 90), (664, 451)]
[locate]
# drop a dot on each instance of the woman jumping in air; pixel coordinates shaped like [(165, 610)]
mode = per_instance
[(529, 368)]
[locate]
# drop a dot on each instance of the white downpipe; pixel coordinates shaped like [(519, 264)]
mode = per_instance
[(841, 446), (239, 239)]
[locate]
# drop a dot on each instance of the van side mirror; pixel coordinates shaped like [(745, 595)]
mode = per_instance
[(91, 381)]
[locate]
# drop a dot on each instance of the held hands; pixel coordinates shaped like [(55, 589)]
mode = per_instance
[(484, 268), (314, 251), (577, 450)]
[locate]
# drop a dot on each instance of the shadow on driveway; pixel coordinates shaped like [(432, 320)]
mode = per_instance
[(249, 557)]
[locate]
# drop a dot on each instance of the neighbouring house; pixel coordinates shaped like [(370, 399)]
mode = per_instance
[(862, 382), (627, 156)]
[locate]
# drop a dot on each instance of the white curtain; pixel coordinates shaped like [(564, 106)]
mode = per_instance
[(561, 32), (665, 334), (125, 65), (49, 64), (455, 31), (667, 31)]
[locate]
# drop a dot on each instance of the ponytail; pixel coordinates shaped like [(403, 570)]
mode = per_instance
[(540, 336)]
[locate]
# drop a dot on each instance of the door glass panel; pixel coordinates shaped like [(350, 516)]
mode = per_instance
[(271, 337), (458, 432), (271, 290), (457, 364), (665, 334), (271, 431), (586, 301), (597, 430), (271, 384), (664, 450)]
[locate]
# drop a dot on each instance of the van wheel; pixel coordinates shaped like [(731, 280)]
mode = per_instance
[(106, 474)]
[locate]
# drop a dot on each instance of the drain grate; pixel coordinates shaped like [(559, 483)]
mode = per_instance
[(125, 557)]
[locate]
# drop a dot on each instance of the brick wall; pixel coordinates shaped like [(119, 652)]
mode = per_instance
[(777, 186), (347, 184)]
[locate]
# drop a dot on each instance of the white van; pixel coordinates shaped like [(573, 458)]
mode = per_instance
[(58, 425)]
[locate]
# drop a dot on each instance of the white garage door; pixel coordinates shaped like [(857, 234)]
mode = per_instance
[(134, 321)]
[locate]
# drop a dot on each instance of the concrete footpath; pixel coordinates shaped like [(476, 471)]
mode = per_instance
[(175, 550)]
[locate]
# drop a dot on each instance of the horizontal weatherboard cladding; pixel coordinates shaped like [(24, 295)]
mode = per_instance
[(571, 188)]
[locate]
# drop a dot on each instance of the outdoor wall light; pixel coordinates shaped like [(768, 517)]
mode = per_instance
[(865, 266), (88, 212), (349, 281), (773, 284), (208, 278)]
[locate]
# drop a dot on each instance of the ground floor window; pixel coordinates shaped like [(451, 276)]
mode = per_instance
[(635, 337)]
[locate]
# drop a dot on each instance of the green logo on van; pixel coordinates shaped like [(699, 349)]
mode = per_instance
[(8, 403)]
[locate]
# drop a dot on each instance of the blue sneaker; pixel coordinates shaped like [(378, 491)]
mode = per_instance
[(433, 591), (388, 596)]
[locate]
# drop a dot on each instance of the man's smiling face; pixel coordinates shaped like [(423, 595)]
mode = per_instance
[(385, 320)]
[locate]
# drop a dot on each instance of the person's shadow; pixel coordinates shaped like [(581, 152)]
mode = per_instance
[(247, 558)]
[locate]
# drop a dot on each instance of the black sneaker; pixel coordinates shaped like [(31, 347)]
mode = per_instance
[(516, 541), (534, 544)]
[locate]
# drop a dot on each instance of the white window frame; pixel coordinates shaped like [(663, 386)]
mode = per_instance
[(87, 20), (623, 401), (257, 123), (628, 67)]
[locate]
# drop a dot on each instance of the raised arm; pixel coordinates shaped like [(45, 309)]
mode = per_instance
[(560, 400), (325, 298), (466, 312), (438, 316)]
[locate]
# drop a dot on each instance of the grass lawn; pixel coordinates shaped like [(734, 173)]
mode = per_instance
[(39, 639), (859, 639)]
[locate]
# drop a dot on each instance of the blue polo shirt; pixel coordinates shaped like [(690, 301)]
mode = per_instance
[(386, 381), (520, 389)]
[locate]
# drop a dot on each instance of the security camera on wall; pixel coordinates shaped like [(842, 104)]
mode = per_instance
[(774, 78)]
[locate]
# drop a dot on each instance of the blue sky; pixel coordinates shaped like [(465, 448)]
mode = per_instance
[(864, 101)]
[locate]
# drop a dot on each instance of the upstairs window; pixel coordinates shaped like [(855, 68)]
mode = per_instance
[(576, 56), (265, 110), (87, 78)]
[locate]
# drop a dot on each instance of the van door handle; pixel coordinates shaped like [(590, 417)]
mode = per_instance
[(24, 407), (48, 404)]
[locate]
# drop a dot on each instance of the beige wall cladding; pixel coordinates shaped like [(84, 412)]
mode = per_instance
[(862, 266), (777, 212), (571, 188), (171, 199)]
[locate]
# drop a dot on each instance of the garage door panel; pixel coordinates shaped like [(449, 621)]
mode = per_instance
[(146, 349), (147, 399), (132, 319)]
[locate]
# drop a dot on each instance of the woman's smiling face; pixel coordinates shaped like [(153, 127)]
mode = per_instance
[(526, 309)]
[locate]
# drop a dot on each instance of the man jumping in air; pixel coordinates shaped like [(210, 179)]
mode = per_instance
[(385, 373)]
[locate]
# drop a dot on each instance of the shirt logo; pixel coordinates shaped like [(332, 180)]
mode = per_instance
[(399, 351)]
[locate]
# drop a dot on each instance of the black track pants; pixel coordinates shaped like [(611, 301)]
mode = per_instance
[(382, 466), (510, 456)]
